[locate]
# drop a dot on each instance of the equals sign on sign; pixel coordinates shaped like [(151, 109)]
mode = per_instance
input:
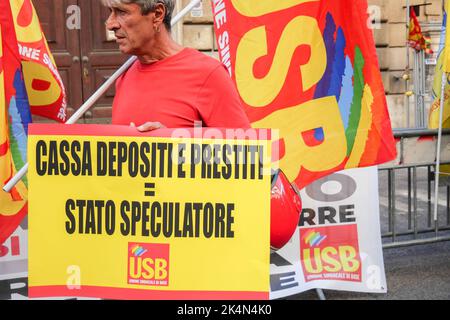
[(149, 189)]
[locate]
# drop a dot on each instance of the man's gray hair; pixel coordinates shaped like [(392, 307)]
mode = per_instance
[(148, 6)]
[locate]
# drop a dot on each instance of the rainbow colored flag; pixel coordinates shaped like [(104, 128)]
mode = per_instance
[(308, 68), (29, 84)]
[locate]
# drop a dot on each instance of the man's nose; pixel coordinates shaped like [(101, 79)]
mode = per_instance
[(111, 23)]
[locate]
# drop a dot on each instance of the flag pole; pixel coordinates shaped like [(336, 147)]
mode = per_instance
[(100, 91), (441, 112), (408, 25), (439, 142)]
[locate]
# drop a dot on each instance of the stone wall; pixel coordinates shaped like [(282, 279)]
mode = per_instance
[(198, 29), (390, 37)]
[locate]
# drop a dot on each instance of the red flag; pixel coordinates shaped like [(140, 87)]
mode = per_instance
[(416, 39), (29, 81), (13, 205), (308, 68)]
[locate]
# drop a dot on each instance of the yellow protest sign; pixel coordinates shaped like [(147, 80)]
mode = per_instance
[(171, 214)]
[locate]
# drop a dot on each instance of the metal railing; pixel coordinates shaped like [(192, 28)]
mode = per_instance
[(407, 197)]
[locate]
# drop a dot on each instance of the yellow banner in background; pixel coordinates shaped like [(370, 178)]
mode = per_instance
[(115, 215), (446, 64)]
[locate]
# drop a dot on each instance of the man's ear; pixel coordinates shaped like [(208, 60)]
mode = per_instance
[(160, 13)]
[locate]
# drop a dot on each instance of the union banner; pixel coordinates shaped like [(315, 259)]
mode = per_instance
[(29, 83), (308, 68), (44, 86), (337, 244)]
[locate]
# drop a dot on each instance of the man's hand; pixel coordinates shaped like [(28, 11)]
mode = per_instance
[(148, 126)]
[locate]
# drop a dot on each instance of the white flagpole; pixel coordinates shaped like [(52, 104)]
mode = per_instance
[(441, 112), (408, 25), (438, 151), (100, 91)]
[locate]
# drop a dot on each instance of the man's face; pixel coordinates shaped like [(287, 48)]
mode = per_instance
[(133, 30)]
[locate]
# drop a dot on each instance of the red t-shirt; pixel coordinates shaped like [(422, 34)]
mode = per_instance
[(179, 91)]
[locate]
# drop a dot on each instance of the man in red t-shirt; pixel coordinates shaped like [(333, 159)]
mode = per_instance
[(168, 86), (171, 86)]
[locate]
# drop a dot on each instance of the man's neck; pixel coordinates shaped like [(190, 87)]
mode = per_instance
[(163, 47)]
